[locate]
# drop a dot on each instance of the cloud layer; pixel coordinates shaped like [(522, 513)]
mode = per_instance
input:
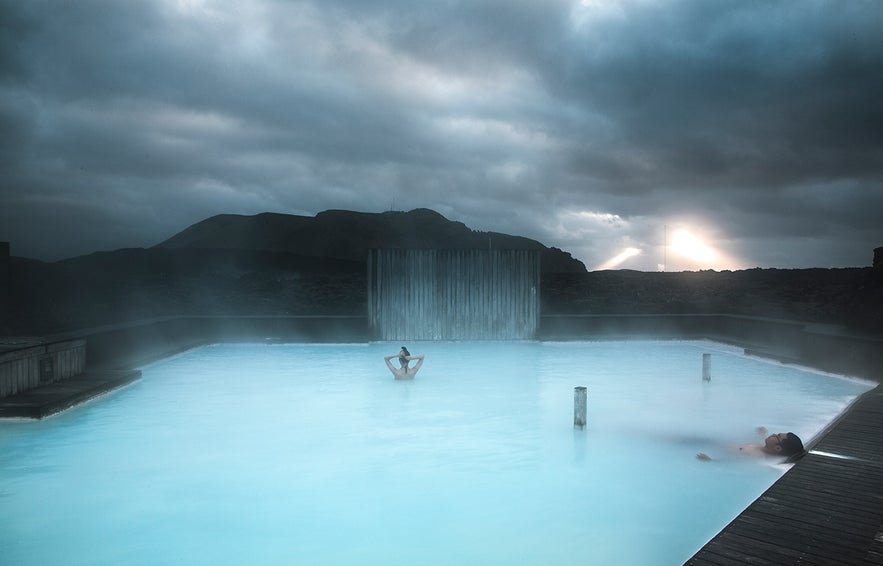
[(594, 126)]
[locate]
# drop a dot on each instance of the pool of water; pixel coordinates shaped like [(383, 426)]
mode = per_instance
[(314, 454)]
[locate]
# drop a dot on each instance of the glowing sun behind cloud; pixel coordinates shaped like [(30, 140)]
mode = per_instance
[(687, 250), (691, 247)]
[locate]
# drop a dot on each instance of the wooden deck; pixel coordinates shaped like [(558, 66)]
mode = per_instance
[(827, 509), (56, 397)]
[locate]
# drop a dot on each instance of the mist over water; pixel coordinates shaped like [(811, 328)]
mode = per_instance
[(314, 454)]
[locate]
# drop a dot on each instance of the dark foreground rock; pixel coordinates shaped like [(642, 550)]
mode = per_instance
[(850, 297), (127, 285)]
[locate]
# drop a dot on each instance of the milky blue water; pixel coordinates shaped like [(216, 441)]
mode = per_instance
[(314, 454)]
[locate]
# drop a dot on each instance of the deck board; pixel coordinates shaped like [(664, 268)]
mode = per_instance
[(827, 509)]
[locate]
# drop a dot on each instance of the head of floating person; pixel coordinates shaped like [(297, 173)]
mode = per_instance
[(783, 444)]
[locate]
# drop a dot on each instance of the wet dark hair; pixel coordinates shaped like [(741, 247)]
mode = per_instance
[(792, 445), (407, 353)]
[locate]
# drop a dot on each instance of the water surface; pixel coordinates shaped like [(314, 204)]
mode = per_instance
[(313, 454)]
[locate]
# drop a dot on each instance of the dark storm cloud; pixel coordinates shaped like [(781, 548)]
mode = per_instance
[(755, 92), (589, 125)]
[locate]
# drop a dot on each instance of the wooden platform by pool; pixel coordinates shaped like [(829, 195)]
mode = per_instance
[(827, 509), (55, 397)]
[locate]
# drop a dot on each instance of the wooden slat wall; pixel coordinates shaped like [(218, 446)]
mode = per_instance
[(5, 281), (21, 370), (453, 294)]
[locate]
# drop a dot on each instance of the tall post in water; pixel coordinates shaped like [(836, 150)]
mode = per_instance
[(706, 367), (579, 407)]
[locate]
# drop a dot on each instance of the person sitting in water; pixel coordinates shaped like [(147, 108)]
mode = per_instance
[(782, 444), (405, 359)]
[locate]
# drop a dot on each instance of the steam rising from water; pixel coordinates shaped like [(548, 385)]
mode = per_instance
[(315, 454)]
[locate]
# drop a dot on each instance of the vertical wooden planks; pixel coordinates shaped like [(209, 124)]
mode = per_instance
[(453, 294)]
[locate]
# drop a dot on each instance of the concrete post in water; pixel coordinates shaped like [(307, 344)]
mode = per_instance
[(579, 407), (706, 367)]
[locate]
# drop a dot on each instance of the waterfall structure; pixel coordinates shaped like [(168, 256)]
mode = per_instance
[(453, 294)]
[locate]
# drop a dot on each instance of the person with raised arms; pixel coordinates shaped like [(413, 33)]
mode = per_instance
[(405, 358)]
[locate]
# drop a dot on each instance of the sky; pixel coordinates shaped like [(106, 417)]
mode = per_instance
[(635, 134)]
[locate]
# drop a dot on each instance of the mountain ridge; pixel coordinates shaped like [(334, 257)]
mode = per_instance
[(348, 235)]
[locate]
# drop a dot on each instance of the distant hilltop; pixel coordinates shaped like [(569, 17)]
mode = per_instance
[(347, 235)]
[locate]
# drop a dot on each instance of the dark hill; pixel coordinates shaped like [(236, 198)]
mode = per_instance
[(132, 284), (851, 297), (346, 235), (275, 264)]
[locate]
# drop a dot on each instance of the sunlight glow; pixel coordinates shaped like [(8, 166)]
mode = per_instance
[(690, 246), (618, 259)]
